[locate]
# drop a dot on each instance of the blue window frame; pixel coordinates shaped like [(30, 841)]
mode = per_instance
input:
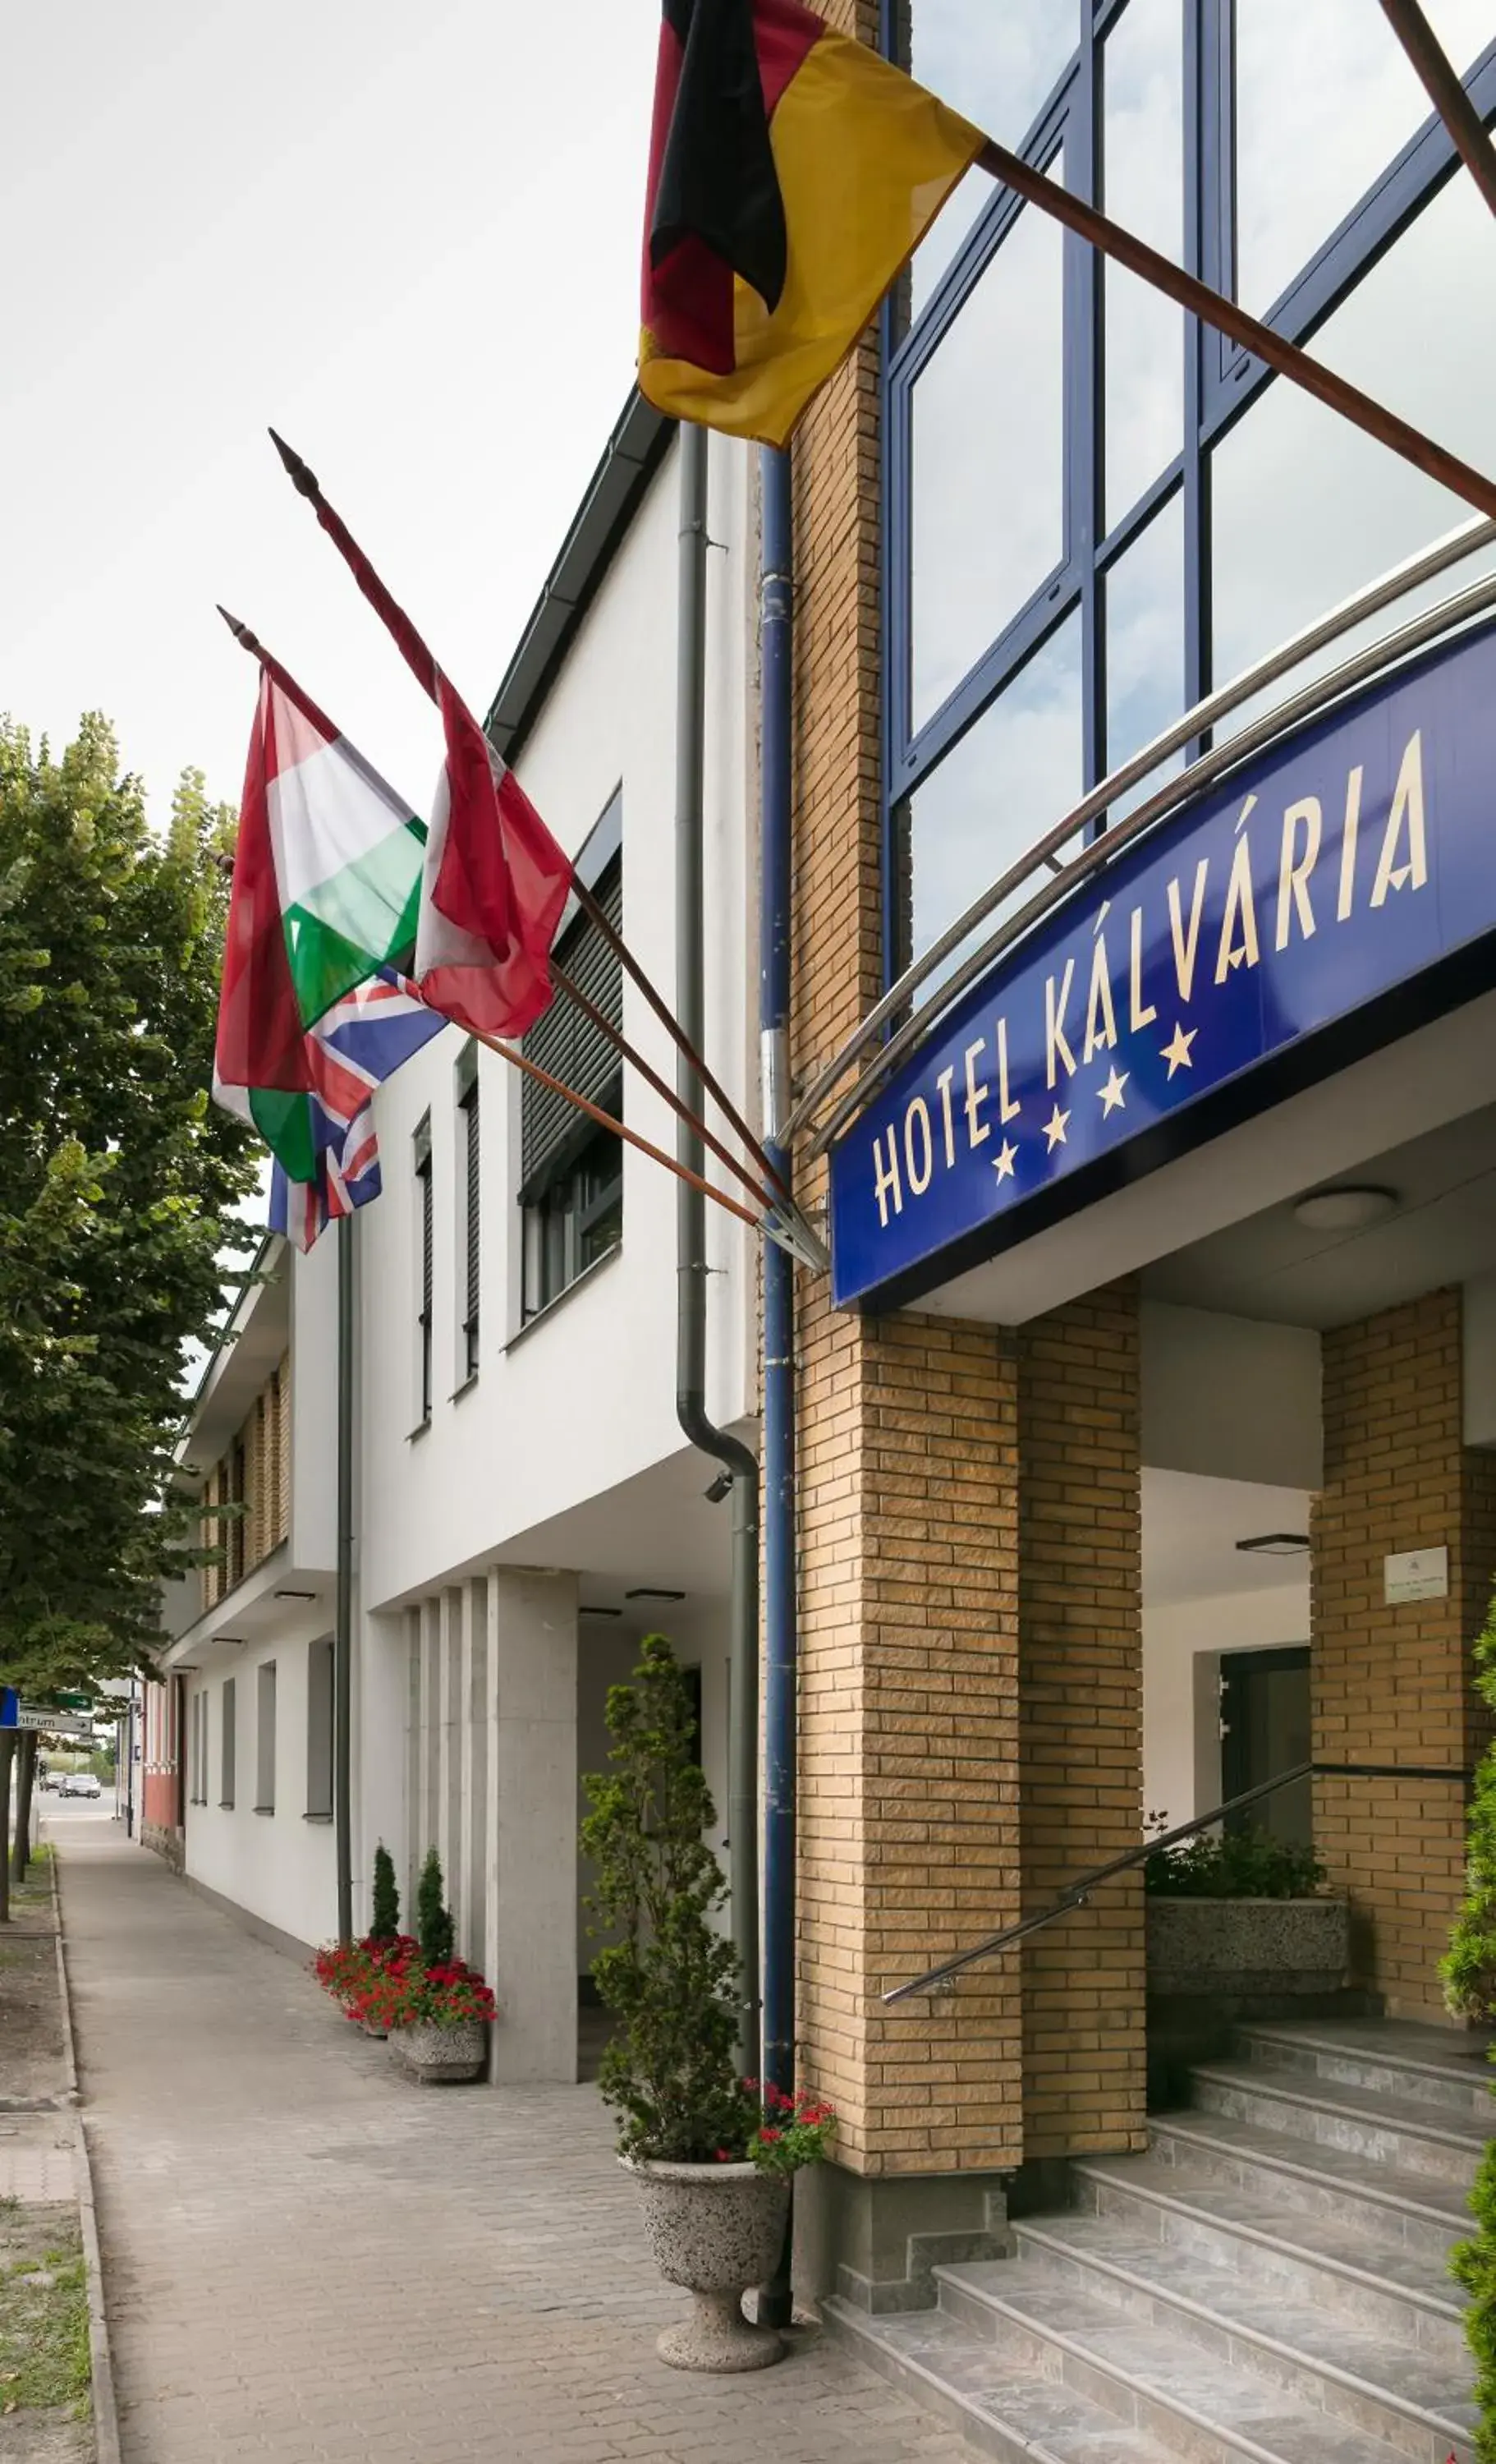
[(1219, 385)]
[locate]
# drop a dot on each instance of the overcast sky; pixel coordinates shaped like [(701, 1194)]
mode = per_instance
[(408, 238)]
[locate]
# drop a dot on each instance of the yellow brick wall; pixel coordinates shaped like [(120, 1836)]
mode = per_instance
[(265, 1435), (1392, 1685), (1080, 1607)]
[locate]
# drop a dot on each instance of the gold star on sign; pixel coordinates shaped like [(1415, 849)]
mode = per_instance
[(1111, 1092), (1055, 1128), (1177, 1053), (1004, 1160)]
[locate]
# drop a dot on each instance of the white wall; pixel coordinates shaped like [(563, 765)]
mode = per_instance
[(279, 1867), (1231, 1397), (586, 1400)]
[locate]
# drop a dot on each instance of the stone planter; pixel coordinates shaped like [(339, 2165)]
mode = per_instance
[(715, 2229), (1247, 1947), (437, 2056), (372, 2028)]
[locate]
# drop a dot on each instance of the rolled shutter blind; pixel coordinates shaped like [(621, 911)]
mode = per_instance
[(570, 1046), (475, 1255)]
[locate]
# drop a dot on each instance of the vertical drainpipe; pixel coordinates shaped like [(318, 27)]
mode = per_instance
[(342, 1619), (781, 1646), (739, 1461)]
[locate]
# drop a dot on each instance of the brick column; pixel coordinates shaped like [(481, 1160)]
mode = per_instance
[(1080, 1594), (1392, 1684)]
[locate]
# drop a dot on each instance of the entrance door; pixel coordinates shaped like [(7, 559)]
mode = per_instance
[(1265, 1729)]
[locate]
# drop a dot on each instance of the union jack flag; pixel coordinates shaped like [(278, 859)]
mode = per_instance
[(326, 1152)]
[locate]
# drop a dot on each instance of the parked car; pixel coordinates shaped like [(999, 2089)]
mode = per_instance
[(80, 1784), (49, 1780)]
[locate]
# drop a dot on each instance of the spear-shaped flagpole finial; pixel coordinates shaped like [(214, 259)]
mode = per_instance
[(303, 480), (247, 640)]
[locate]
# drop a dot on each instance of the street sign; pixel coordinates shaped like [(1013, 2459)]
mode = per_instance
[(57, 1724), (10, 1707)]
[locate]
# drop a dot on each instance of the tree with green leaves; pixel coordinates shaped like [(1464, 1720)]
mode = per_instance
[(120, 1183)]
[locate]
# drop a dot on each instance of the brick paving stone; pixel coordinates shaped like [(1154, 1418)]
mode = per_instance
[(308, 2259), (36, 2159)]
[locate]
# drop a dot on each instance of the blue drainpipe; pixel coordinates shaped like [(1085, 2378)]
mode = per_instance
[(775, 607)]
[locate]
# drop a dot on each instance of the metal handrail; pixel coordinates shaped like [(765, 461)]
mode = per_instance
[(1456, 545), (1079, 1892)]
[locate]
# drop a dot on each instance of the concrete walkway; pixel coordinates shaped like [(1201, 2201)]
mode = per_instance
[(305, 2257)]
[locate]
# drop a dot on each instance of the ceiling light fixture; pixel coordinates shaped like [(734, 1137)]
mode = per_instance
[(652, 1592), (1344, 1210), (1276, 1544), (586, 1611), (296, 1596)]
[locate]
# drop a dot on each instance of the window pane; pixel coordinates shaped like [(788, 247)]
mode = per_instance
[(988, 499), (1325, 98), (1144, 646), (1306, 509), (998, 66), (1143, 72), (1009, 779)]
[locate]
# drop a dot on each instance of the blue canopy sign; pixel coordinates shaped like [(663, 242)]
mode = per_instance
[(1346, 863)]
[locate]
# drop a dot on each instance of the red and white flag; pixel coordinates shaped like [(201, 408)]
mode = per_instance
[(493, 890), (494, 881)]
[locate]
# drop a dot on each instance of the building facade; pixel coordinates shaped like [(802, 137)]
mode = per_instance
[(1145, 1424), (1087, 1456), (526, 1506)]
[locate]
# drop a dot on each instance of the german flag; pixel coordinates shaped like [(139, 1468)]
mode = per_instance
[(792, 171)]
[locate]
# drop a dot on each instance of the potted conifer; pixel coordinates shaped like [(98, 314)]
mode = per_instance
[(712, 2160)]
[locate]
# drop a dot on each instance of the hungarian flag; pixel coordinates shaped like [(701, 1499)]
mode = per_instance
[(496, 881), (792, 171), (326, 889)]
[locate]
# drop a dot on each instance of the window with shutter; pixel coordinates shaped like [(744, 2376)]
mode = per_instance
[(426, 1234), (473, 1252), (572, 1172)]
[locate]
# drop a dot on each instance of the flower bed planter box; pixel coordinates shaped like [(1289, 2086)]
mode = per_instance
[(436, 2056), (1247, 1947)]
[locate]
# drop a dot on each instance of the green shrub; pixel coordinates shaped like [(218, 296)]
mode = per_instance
[(1469, 1977), (1468, 1967), (672, 1980), (385, 1923), (1236, 1865), (433, 1925)]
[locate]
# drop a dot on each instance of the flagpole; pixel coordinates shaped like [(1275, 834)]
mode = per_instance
[(651, 1077), (343, 1621), (521, 1061), (1246, 332), (1445, 92), (423, 665)]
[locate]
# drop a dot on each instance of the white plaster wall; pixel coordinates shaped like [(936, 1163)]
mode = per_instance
[(1232, 1397), (1183, 1643), (587, 1399), (314, 1406), (279, 1867)]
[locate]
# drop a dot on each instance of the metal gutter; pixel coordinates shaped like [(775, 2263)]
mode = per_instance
[(632, 455)]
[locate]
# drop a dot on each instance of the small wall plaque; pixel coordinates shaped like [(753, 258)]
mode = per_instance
[(1417, 1575)]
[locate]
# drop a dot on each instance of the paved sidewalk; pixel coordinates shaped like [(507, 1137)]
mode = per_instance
[(307, 2258)]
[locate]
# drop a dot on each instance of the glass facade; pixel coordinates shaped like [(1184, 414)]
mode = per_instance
[(1096, 509)]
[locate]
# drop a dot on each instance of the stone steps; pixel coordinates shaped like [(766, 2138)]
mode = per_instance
[(1268, 2283)]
